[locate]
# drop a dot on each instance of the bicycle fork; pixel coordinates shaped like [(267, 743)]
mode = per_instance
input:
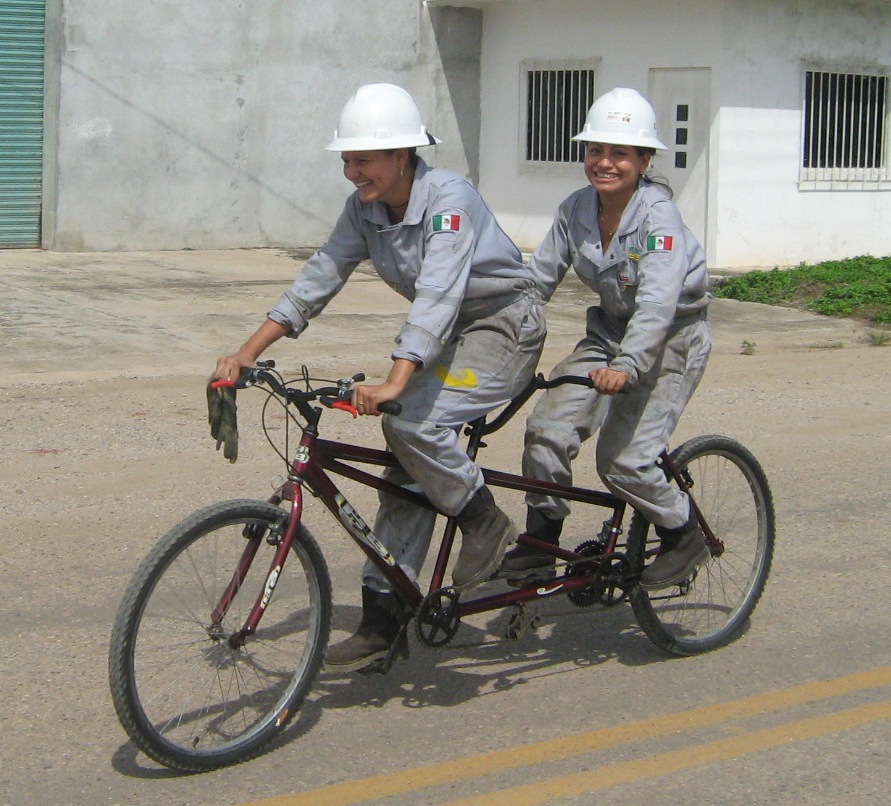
[(254, 534), (685, 484)]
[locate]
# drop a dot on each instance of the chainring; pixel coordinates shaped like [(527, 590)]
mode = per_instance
[(590, 594), (436, 621), (613, 578)]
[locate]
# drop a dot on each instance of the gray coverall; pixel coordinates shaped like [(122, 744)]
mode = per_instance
[(651, 323), (475, 328)]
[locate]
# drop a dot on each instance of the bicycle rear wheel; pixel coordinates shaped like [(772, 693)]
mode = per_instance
[(189, 698), (712, 607)]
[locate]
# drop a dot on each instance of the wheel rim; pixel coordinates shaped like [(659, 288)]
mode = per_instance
[(714, 603), (198, 694)]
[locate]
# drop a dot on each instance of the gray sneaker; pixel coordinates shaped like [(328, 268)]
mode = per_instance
[(675, 565), (486, 533)]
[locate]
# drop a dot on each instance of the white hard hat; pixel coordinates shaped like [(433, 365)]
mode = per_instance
[(622, 117), (379, 117)]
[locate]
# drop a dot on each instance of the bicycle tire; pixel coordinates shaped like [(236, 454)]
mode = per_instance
[(183, 694), (712, 608)]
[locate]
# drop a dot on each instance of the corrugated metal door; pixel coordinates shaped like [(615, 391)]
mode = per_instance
[(21, 121)]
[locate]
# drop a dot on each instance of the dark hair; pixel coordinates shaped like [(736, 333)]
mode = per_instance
[(654, 180), (412, 155)]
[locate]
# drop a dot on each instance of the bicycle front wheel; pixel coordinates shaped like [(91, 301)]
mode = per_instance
[(712, 607), (190, 695)]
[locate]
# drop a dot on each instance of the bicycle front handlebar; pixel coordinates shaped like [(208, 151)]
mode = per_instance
[(330, 396)]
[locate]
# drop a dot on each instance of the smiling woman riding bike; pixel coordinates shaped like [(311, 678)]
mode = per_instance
[(648, 336), (471, 341)]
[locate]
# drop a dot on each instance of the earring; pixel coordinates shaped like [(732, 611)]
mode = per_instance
[(402, 171)]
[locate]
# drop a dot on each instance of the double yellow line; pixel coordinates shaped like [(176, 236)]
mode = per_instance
[(447, 772)]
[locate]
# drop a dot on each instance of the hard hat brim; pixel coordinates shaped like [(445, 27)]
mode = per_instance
[(615, 139), (381, 143)]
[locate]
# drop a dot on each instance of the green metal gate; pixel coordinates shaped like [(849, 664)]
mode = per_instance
[(21, 121)]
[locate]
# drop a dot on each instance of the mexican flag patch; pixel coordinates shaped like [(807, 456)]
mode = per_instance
[(659, 243), (446, 223)]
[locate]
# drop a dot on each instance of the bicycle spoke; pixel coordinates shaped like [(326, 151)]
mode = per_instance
[(190, 698), (711, 607)]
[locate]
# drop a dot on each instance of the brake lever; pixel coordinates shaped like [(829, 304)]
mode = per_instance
[(344, 406)]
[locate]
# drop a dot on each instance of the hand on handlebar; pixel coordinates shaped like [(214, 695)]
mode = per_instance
[(229, 367), (372, 400), (608, 381)]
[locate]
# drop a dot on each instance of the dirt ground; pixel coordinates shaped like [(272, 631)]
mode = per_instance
[(106, 446)]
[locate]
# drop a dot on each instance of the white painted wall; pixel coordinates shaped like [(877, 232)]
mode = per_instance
[(760, 215), (628, 38), (757, 51)]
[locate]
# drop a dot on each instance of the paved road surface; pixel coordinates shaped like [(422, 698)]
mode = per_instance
[(105, 447)]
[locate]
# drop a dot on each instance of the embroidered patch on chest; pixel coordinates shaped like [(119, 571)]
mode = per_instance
[(443, 223), (659, 243)]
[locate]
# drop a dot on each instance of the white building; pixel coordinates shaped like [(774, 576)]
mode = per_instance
[(165, 125), (776, 113)]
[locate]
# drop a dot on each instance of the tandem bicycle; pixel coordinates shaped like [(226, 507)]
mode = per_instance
[(223, 627)]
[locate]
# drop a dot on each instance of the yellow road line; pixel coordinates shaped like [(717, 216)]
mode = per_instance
[(683, 759), (381, 786)]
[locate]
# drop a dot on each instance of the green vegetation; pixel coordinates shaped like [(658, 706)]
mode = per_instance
[(859, 288), (879, 338)]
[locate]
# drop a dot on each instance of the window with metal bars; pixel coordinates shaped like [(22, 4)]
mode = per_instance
[(558, 96), (845, 125)]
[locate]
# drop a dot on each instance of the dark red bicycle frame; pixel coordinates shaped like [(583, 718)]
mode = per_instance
[(319, 457), (315, 458)]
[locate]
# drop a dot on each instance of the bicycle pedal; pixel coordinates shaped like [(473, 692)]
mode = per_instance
[(379, 666), (534, 576), (525, 618)]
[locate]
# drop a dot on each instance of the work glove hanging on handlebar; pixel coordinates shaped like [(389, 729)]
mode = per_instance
[(222, 414)]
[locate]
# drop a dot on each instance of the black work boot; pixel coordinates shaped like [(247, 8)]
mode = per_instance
[(681, 552), (381, 622), (486, 533), (525, 560)]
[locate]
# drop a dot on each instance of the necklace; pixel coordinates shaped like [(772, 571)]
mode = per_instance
[(604, 227)]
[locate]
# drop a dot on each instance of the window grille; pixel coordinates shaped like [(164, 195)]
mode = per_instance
[(558, 96), (845, 127)]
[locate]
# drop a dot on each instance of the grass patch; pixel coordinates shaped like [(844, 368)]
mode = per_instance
[(879, 338), (858, 288)]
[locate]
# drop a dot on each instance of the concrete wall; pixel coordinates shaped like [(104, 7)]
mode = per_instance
[(757, 51), (202, 125)]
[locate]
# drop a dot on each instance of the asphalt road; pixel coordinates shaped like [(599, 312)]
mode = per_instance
[(105, 447)]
